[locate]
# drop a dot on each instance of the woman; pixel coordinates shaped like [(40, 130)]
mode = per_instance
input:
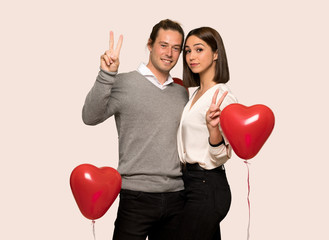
[(202, 147)]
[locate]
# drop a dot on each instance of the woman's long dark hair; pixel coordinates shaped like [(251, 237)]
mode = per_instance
[(214, 40)]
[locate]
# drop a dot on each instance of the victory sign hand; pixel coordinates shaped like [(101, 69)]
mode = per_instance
[(110, 59), (213, 113)]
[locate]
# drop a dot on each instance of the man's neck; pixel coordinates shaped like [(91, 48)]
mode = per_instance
[(161, 76)]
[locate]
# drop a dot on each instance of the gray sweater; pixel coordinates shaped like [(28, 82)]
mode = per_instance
[(147, 119)]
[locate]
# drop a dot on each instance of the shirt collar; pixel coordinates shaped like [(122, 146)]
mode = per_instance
[(146, 72)]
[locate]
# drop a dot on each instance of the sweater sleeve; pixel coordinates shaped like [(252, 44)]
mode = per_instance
[(99, 105)]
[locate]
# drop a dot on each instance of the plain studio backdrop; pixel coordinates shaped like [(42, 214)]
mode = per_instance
[(50, 50)]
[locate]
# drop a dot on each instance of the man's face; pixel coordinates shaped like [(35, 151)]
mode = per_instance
[(165, 51)]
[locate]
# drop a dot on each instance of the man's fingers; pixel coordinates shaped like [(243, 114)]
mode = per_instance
[(115, 53), (106, 59), (111, 41), (113, 58), (118, 48)]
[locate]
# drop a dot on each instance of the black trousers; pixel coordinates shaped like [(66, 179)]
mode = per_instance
[(141, 214), (208, 200)]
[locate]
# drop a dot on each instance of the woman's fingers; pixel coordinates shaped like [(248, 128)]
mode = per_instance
[(221, 99), (214, 109), (214, 98), (214, 113)]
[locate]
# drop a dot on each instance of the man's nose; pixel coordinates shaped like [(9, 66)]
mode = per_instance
[(169, 52)]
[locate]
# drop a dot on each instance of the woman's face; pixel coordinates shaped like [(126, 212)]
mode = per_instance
[(199, 56)]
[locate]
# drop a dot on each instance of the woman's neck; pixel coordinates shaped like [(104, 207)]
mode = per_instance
[(206, 81)]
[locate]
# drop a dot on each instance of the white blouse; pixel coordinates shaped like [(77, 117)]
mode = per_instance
[(192, 136)]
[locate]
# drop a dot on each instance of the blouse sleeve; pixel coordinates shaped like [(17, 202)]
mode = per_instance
[(220, 154)]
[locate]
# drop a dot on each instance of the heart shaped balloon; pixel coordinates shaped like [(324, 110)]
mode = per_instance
[(94, 189), (178, 81), (246, 128)]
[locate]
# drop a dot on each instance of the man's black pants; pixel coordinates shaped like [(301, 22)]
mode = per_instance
[(141, 214)]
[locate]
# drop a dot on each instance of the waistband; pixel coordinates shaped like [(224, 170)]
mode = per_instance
[(197, 167)]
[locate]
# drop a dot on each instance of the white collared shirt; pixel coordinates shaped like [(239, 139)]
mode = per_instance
[(146, 72), (192, 136)]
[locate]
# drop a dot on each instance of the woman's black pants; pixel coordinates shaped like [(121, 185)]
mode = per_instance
[(208, 199)]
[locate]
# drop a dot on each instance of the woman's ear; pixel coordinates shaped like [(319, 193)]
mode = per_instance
[(215, 55)]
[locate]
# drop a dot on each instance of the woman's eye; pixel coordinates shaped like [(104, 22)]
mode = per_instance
[(199, 50), (187, 51)]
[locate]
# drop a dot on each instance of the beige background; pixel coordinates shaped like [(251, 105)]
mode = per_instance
[(278, 56)]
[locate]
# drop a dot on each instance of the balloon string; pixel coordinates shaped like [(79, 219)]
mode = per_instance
[(248, 229), (94, 234)]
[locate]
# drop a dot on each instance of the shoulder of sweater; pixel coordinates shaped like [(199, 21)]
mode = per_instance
[(133, 73), (127, 77), (183, 91)]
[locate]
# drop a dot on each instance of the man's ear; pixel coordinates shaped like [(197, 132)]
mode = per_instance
[(149, 44)]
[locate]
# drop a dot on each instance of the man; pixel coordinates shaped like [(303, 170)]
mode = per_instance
[(147, 106)]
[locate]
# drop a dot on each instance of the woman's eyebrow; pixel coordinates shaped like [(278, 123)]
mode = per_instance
[(194, 45)]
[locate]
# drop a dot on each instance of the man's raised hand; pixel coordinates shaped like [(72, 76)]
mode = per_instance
[(110, 59)]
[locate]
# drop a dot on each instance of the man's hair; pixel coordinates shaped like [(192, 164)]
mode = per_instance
[(165, 24)]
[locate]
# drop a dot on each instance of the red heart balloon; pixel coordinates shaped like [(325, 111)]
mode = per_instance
[(94, 189), (246, 128), (178, 81)]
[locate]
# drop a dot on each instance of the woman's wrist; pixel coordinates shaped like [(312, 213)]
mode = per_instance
[(215, 136), (217, 144)]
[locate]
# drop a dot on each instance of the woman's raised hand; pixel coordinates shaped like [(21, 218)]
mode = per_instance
[(110, 59), (213, 113)]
